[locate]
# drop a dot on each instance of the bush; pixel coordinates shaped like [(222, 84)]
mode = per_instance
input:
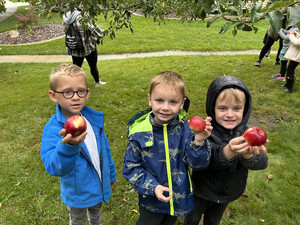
[(26, 21)]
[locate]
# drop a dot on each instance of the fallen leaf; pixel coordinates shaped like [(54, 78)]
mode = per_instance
[(262, 220), (258, 194), (245, 195), (131, 191), (19, 183), (122, 122), (270, 177), (125, 200), (228, 214), (134, 211)]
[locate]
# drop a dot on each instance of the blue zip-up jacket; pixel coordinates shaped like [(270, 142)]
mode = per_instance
[(79, 180), (161, 154)]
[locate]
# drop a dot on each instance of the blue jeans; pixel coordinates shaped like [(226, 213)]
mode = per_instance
[(78, 216), (151, 218), (212, 211)]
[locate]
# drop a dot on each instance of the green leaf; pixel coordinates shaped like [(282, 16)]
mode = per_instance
[(293, 15), (225, 27), (247, 28), (234, 32), (211, 20), (275, 18)]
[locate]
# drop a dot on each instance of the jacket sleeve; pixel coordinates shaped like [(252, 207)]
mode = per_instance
[(294, 40), (197, 156), (257, 162), (141, 179), (59, 158), (283, 34)]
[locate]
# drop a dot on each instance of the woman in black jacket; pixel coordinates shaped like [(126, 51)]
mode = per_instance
[(229, 104)]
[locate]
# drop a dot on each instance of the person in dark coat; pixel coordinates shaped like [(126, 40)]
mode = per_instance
[(228, 103)]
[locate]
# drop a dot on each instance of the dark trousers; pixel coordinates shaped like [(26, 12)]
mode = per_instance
[(290, 73), (268, 42), (151, 218), (92, 61), (212, 211), (283, 68)]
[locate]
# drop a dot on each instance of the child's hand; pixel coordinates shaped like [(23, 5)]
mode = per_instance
[(238, 145), (201, 136), (68, 139), (256, 150), (159, 190)]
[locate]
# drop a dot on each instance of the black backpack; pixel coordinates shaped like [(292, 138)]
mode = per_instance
[(73, 38)]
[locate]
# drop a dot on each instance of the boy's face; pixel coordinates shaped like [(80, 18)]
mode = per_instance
[(71, 106), (229, 112), (165, 103)]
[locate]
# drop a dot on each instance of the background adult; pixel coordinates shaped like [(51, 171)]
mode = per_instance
[(90, 36)]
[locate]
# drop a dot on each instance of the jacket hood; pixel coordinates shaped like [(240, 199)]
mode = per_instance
[(70, 17), (216, 87)]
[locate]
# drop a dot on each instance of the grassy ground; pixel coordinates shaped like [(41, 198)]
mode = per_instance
[(33, 195), (28, 195)]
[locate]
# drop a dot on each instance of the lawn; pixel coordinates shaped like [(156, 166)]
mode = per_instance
[(29, 195)]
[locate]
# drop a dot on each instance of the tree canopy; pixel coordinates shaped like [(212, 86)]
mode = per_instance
[(237, 15)]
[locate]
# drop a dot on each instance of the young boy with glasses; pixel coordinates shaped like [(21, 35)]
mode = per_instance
[(83, 163)]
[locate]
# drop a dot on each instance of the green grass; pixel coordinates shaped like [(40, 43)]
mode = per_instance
[(34, 196), (29, 195), (150, 37)]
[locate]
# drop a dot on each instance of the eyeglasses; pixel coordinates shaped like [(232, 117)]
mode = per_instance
[(70, 93)]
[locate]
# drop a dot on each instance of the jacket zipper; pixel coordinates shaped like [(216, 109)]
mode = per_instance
[(169, 175)]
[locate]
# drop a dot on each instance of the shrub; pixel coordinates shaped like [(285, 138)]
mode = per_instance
[(26, 21)]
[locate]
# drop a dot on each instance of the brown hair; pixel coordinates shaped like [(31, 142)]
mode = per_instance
[(65, 69), (168, 79)]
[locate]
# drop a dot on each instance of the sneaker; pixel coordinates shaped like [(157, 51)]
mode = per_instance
[(276, 75), (280, 78), (100, 83), (276, 63), (258, 62)]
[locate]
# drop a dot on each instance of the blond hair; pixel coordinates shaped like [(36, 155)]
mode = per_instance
[(67, 70), (238, 95), (168, 79)]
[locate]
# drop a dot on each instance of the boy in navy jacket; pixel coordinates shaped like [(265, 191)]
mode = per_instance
[(160, 149)]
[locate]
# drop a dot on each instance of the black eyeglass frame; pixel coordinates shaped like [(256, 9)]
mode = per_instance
[(77, 92)]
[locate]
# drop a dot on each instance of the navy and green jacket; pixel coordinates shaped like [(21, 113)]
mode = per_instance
[(162, 154)]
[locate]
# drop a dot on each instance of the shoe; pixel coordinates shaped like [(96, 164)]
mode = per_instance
[(100, 83), (288, 90), (280, 78), (276, 75), (258, 62), (276, 63)]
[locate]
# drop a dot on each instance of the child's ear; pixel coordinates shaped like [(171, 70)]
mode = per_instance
[(52, 96), (181, 107), (149, 99)]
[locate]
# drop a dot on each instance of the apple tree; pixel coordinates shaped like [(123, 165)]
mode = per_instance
[(237, 15)]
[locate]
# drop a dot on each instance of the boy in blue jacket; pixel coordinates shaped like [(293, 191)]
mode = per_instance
[(83, 163), (160, 149)]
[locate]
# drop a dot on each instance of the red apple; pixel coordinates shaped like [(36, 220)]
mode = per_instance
[(255, 136), (75, 125), (197, 124)]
